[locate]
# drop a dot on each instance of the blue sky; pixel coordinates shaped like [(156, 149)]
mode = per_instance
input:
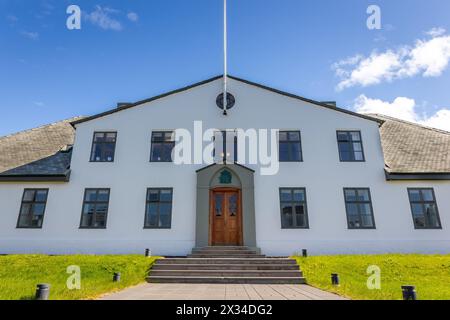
[(130, 50)]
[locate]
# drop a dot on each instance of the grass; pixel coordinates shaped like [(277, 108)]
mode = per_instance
[(19, 275), (429, 273)]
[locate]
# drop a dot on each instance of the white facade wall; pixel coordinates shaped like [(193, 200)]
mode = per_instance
[(321, 173)]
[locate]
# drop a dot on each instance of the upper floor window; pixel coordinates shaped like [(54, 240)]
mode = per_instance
[(225, 146), (350, 146), (358, 204), (163, 143), (32, 210), (103, 147), (158, 209), (424, 208), (290, 146), (95, 209), (294, 212)]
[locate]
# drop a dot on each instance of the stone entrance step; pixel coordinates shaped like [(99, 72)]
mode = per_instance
[(226, 265), (239, 280)]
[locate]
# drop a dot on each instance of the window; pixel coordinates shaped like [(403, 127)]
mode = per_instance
[(32, 210), (163, 143), (350, 146), (358, 204), (424, 209), (103, 147), (95, 209), (294, 212), (290, 146), (225, 146), (158, 209)]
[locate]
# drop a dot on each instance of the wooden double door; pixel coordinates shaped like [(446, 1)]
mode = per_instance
[(225, 217)]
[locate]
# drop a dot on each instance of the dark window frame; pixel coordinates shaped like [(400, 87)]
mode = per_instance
[(18, 226), (359, 213), (350, 143), (290, 142), (95, 143), (95, 208), (172, 143), (293, 202), (423, 202), (147, 201)]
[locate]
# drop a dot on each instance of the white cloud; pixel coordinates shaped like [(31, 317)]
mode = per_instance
[(403, 108), (30, 35), (39, 104), (133, 16), (429, 57), (102, 17)]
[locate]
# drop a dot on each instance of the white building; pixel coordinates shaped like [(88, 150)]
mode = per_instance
[(346, 183)]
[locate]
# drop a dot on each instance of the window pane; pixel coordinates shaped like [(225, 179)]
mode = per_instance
[(359, 156), (300, 212), (41, 195), (218, 205), (169, 136), (431, 216), (355, 136), (352, 209), (295, 151), (36, 222), (417, 209), (24, 221), (354, 221), (91, 195), (165, 210), (287, 219), (152, 214), (365, 209), (344, 147), (363, 195), (86, 220), (38, 209), (153, 195), (284, 151), (357, 146), (350, 195), (286, 195), (367, 221), (342, 136), (25, 209), (346, 156), (283, 136), (103, 195), (166, 152), (294, 136), (427, 195), (166, 195), (157, 136), (157, 151), (88, 208), (414, 195), (110, 137), (419, 222), (100, 220), (299, 195), (99, 137), (28, 195)]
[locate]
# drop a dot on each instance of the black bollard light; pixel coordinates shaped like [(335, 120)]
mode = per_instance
[(334, 279), (42, 291), (409, 293), (305, 253), (116, 277), (147, 253)]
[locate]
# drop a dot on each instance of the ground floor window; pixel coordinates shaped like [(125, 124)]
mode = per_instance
[(158, 209), (424, 208), (294, 212), (95, 209), (32, 210), (358, 204)]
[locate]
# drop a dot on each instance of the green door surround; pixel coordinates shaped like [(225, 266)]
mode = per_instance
[(218, 175)]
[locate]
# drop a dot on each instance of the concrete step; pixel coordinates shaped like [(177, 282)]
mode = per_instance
[(219, 255), (210, 261), (222, 252), (236, 280), (234, 248), (193, 266), (228, 273)]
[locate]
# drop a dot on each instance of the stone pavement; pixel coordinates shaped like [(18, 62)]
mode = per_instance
[(155, 291)]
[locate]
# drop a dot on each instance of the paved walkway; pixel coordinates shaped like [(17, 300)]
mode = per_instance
[(222, 292)]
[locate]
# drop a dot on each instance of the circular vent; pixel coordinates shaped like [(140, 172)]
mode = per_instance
[(230, 101)]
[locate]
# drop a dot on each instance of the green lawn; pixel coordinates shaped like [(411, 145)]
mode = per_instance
[(429, 273), (19, 274)]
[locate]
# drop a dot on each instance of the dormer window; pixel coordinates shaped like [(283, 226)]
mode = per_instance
[(103, 147)]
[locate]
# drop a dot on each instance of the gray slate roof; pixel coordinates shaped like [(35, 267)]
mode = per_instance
[(43, 151), (410, 148)]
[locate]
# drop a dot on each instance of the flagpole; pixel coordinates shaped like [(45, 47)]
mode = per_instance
[(225, 49)]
